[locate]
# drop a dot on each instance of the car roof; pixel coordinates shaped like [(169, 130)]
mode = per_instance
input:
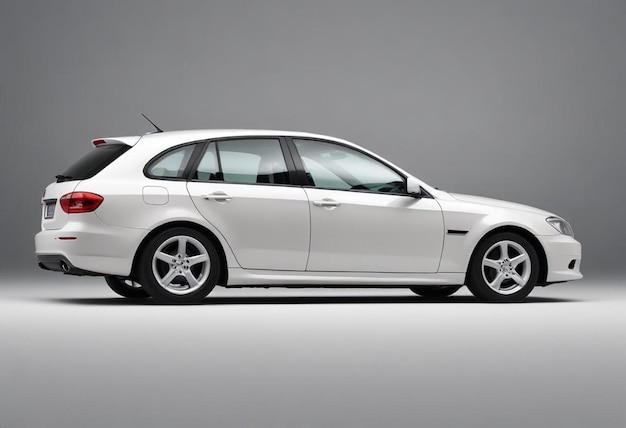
[(202, 134)]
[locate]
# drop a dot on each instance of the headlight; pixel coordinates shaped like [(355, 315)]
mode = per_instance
[(561, 225)]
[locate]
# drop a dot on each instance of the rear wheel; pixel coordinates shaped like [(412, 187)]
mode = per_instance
[(504, 268), (126, 287), (435, 292), (179, 265)]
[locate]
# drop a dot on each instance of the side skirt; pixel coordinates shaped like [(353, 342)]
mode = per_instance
[(267, 278)]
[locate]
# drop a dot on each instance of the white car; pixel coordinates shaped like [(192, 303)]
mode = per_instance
[(170, 215)]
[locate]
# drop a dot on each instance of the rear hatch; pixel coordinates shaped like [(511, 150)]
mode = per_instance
[(106, 151), (53, 217)]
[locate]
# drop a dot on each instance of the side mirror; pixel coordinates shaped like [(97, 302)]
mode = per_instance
[(413, 188)]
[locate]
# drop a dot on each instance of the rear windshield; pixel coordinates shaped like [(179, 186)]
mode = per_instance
[(93, 162)]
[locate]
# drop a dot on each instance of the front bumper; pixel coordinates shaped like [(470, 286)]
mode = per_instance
[(563, 254)]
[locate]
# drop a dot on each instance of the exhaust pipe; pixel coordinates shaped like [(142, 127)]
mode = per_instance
[(64, 267)]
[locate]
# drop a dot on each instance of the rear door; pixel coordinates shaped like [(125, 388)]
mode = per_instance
[(243, 188)]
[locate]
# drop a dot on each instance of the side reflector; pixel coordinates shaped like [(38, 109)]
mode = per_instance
[(80, 202)]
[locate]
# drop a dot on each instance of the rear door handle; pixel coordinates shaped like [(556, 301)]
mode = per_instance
[(218, 197), (326, 203)]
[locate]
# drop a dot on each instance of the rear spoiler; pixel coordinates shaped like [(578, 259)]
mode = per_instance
[(129, 141)]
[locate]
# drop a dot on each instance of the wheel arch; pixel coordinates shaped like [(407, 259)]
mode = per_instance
[(524, 233), (223, 275)]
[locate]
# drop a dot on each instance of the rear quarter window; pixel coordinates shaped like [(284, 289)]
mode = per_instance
[(170, 164), (93, 162)]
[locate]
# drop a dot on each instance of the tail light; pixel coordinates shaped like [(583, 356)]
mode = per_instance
[(80, 202)]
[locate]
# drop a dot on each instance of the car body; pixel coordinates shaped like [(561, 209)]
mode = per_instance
[(172, 214)]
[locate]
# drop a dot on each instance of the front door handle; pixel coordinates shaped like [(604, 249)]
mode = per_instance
[(218, 197), (326, 203)]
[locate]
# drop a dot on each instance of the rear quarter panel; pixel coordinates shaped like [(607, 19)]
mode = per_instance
[(132, 200)]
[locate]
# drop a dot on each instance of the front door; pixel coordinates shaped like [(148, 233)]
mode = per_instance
[(362, 219)]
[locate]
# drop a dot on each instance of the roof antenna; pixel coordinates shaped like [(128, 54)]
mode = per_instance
[(152, 123)]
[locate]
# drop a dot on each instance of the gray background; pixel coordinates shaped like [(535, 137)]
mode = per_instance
[(518, 100)]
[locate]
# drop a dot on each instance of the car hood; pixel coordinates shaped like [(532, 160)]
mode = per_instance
[(499, 204)]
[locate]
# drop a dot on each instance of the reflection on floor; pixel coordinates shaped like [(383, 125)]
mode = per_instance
[(81, 356)]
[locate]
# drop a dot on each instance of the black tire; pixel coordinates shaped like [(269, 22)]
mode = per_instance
[(511, 280), (435, 291), (170, 274), (126, 287)]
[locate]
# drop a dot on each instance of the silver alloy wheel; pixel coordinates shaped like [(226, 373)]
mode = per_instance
[(506, 267), (181, 265)]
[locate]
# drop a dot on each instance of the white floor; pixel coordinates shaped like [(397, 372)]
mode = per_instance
[(72, 354)]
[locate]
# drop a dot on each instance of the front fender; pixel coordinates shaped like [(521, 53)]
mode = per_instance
[(470, 222)]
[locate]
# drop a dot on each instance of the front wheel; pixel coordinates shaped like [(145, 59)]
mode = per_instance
[(126, 287), (179, 265), (435, 292), (504, 268)]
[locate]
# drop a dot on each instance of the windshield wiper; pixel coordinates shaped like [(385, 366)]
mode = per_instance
[(62, 177)]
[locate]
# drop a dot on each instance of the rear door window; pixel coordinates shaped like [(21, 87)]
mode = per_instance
[(244, 161), (208, 168)]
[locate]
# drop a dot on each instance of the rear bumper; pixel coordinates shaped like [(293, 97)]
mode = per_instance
[(59, 263), (88, 247), (564, 255)]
